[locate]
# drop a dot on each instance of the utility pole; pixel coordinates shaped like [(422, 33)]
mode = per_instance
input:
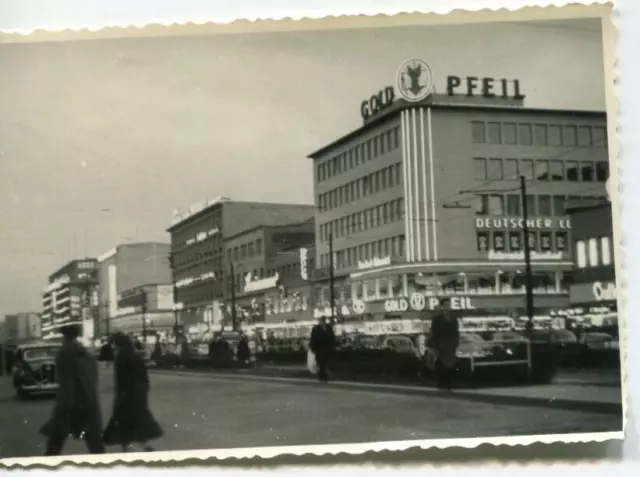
[(107, 316), (175, 294), (332, 297), (527, 253), (233, 297), (144, 316)]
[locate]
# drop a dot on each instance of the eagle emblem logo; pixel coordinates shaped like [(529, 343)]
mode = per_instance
[(415, 80)]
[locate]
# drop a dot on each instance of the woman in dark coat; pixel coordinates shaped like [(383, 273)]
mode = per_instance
[(132, 421)]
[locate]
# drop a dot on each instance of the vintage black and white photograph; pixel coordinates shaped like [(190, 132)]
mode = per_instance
[(308, 237)]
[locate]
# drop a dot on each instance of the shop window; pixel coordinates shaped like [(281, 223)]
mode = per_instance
[(511, 169), (593, 252), (556, 170), (478, 133), (602, 171), (494, 133), (573, 171), (533, 241), (480, 168), (481, 284), (554, 135), (482, 239), (526, 169), (383, 288), (542, 170), (559, 205), (569, 136), (515, 241), (524, 134), (510, 133), (370, 290), (544, 205), (499, 240), (599, 137), (494, 169), (605, 250), (540, 134), (545, 241), (584, 136), (531, 205), (513, 205), (496, 205), (587, 171)]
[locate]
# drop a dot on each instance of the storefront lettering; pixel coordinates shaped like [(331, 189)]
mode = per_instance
[(487, 87), (604, 292), (304, 274), (374, 262), (252, 285), (376, 103), (518, 223), (495, 255), (419, 302)]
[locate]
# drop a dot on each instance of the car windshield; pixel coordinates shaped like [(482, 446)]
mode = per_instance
[(39, 353)]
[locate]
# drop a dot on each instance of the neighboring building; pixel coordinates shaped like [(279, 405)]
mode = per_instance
[(272, 267), (423, 200), (71, 298), (198, 250), (145, 309), (126, 267), (20, 328), (593, 291)]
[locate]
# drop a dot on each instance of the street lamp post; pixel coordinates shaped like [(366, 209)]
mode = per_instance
[(527, 253)]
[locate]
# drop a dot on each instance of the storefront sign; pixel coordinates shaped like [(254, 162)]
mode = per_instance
[(419, 302), (359, 307), (304, 274), (604, 291), (495, 255), (518, 223), (263, 284), (487, 87), (373, 263), (378, 102)]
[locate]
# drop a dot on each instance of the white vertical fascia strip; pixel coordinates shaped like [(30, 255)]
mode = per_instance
[(433, 199), (423, 156), (407, 232), (417, 183), (409, 200)]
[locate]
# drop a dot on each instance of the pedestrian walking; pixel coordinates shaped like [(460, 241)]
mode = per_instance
[(106, 354), (76, 411), (244, 353), (132, 421), (322, 344), (444, 341)]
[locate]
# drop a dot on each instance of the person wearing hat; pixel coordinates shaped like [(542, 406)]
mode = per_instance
[(76, 411), (444, 341)]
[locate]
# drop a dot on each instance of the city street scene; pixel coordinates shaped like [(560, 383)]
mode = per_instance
[(307, 237)]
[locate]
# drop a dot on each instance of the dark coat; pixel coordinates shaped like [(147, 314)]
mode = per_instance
[(77, 406), (445, 338), (132, 420), (323, 341), (244, 353)]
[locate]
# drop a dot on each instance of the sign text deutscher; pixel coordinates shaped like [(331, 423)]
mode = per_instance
[(518, 223)]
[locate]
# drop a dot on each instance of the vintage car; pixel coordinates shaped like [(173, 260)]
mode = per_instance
[(34, 370)]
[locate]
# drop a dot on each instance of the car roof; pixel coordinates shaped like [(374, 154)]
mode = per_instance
[(38, 345)]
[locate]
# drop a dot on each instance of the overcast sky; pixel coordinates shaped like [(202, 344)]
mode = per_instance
[(101, 140)]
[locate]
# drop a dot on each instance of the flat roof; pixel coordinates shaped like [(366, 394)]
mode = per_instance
[(253, 228), (440, 102)]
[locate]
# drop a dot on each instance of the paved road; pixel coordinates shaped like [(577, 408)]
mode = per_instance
[(203, 411)]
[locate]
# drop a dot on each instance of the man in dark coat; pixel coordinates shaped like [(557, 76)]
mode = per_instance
[(444, 341), (77, 408), (322, 344)]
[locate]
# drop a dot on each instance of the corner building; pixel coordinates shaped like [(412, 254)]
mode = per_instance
[(423, 201)]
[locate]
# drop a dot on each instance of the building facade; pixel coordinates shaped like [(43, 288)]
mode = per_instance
[(71, 297), (199, 257), (127, 267), (145, 310), (593, 291), (423, 200), (20, 328)]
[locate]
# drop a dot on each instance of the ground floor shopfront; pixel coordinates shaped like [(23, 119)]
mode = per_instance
[(594, 304)]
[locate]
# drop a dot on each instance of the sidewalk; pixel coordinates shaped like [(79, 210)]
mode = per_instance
[(569, 395)]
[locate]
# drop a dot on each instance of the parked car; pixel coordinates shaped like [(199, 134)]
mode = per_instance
[(34, 369), (400, 344), (598, 341)]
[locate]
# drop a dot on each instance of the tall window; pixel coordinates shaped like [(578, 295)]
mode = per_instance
[(510, 133), (554, 135), (496, 205), (524, 134), (542, 170), (480, 168), (573, 171), (511, 169), (569, 134), (581, 253), (478, 132), (593, 252), (544, 205), (605, 245), (540, 134), (584, 136), (494, 170), (494, 133), (513, 205), (556, 170)]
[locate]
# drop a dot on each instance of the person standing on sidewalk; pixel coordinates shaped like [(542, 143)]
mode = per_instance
[(76, 411), (132, 421), (322, 344), (444, 340)]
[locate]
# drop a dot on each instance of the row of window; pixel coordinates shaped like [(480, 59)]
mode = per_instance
[(371, 218), (349, 257), (543, 170), (511, 205), (360, 154), (193, 257), (183, 237), (527, 134), (512, 241), (246, 250), (364, 186), (593, 252)]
